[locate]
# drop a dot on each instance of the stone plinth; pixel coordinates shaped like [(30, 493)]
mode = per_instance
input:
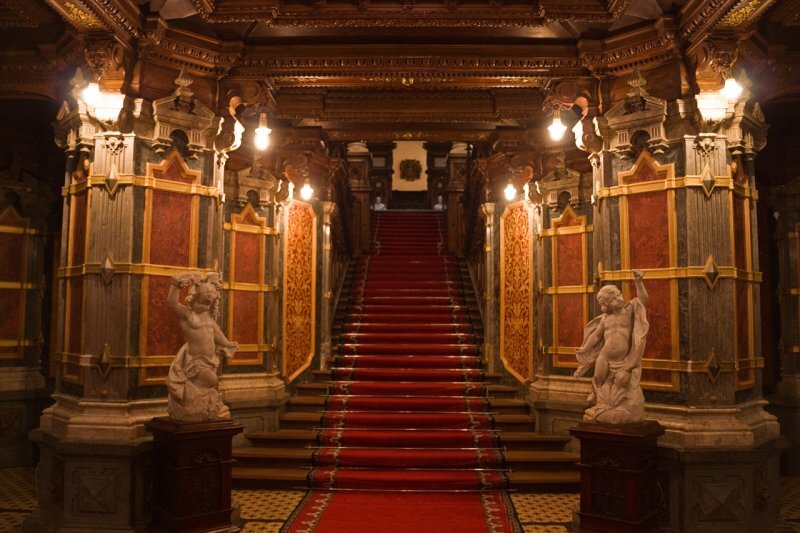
[(618, 476), (192, 475)]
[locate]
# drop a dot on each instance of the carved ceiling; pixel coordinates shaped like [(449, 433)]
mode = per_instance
[(402, 68)]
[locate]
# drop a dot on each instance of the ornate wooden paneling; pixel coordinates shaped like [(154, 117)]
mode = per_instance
[(171, 222), (299, 289), (569, 289), (247, 285), (516, 290), (15, 233), (648, 242)]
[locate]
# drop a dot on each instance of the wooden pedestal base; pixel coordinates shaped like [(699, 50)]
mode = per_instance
[(192, 475), (618, 476)]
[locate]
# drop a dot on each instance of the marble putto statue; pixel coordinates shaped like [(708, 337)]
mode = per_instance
[(613, 343), (439, 205), (193, 377)]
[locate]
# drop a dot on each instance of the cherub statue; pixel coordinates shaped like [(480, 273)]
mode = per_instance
[(614, 344), (439, 205), (194, 374)]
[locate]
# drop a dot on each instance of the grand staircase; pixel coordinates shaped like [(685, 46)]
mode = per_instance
[(406, 403)]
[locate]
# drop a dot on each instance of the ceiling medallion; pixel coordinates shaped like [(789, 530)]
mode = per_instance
[(711, 272)]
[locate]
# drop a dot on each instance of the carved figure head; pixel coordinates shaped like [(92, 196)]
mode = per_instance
[(204, 296), (610, 298)]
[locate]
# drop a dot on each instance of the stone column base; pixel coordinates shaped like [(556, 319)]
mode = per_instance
[(717, 490), (87, 485), (255, 401), (558, 403), (22, 398)]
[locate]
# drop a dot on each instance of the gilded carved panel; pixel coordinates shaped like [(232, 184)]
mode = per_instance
[(299, 289), (516, 290)]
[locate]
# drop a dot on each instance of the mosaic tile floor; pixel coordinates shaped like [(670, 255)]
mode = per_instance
[(265, 511)]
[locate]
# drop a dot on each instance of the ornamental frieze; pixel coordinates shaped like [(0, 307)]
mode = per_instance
[(399, 14)]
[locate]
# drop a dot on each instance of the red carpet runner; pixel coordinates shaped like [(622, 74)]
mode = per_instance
[(407, 408)]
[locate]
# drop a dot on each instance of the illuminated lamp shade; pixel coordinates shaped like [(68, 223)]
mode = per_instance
[(732, 90), (510, 191), (712, 105), (91, 94), (261, 138), (307, 191), (557, 128)]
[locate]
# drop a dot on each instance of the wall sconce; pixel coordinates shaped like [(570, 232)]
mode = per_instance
[(713, 106), (261, 137), (732, 90), (307, 191), (105, 106), (510, 191), (557, 128)]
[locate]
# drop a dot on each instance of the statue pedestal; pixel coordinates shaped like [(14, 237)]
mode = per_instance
[(618, 476), (192, 475)]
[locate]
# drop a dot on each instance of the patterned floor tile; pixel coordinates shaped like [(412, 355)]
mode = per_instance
[(17, 490), (11, 521), (261, 527), (544, 529), (545, 508), (267, 505)]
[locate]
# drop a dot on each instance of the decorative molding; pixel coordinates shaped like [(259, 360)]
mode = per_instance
[(23, 14), (400, 14)]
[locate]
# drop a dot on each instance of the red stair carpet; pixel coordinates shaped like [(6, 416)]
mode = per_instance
[(406, 442)]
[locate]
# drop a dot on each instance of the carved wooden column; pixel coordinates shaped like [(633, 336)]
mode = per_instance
[(675, 197), (508, 308), (456, 224), (566, 290), (251, 385), (139, 205), (359, 165), (307, 251)]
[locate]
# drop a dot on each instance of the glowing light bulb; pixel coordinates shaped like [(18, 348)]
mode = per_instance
[(732, 90), (510, 191), (261, 138), (557, 128), (306, 192), (91, 94)]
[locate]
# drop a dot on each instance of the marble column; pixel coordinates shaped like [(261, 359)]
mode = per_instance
[(675, 197), (140, 204)]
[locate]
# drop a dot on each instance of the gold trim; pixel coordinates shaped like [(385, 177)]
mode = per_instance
[(17, 230), (20, 285), (17, 343), (568, 230), (128, 268), (143, 182), (258, 227), (727, 272), (249, 228), (624, 191), (568, 289)]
